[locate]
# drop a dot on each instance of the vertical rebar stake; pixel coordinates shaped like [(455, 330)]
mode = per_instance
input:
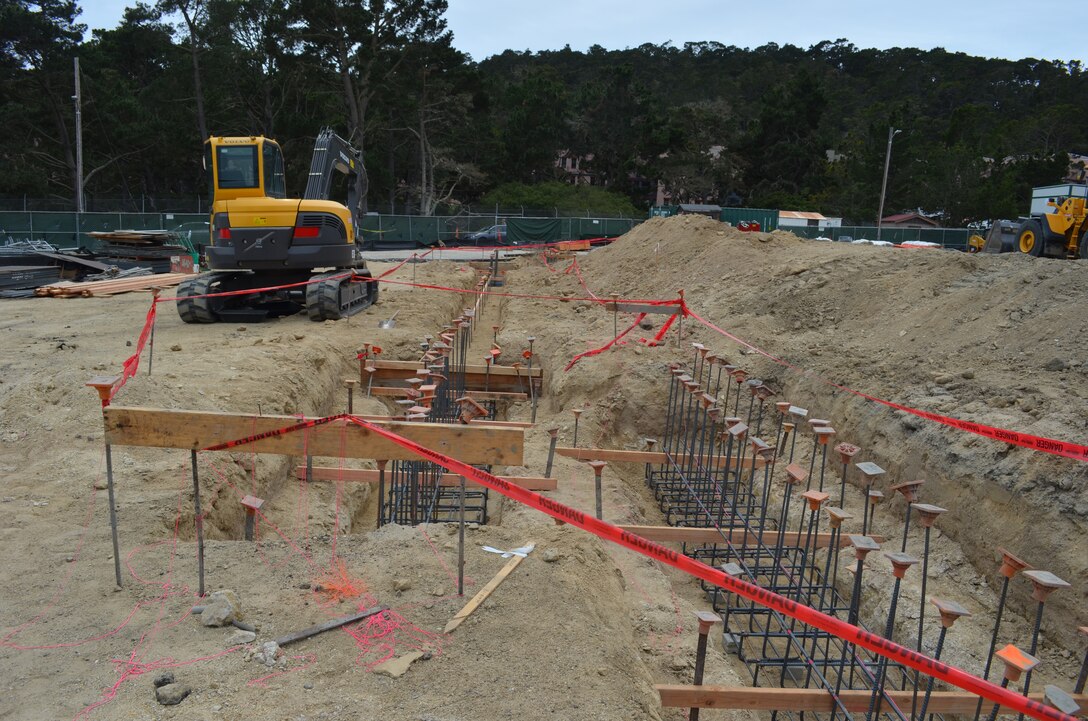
[(151, 340), (706, 620), (199, 525), (1043, 584), (554, 434), (461, 543), (598, 468), (615, 314), (104, 386), (950, 611), (113, 515), (381, 490), (1010, 566), (350, 383)]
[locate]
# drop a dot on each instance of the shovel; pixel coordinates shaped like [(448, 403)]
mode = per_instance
[(389, 322)]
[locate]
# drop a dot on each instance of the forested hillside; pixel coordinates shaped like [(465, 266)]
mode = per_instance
[(712, 122)]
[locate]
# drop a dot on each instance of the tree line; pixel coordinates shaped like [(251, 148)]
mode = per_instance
[(775, 126)]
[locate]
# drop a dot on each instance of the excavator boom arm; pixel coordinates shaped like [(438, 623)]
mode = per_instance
[(334, 154)]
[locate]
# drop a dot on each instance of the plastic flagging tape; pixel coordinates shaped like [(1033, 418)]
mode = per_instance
[(132, 363), (752, 592), (660, 335), (252, 291), (1026, 440), (312, 423), (606, 346)]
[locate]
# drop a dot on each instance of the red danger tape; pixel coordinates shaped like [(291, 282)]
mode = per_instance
[(606, 346), (272, 434), (132, 363), (1025, 440), (752, 592)]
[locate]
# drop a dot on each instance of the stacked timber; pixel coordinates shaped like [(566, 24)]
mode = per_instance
[(101, 288)]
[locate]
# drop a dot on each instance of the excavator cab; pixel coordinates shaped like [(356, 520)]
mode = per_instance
[(244, 168)]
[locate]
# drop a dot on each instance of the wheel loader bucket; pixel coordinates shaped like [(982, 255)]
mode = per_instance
[(1002, 237)]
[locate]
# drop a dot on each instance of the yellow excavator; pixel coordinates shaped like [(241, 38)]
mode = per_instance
[(1060, 233), (262, 241)]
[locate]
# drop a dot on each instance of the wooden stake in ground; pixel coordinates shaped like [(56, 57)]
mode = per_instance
[(484, 593)]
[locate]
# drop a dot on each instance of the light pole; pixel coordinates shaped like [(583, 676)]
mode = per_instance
[(892, 132), (78, 99)]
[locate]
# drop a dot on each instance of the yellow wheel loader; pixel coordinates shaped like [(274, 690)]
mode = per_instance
[(1059, 233), (261, 240)]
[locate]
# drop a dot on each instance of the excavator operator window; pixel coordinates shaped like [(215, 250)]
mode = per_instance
[(237, 165), (274, 184)]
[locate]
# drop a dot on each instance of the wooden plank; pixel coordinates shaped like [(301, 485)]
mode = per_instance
[(641, 308), (370, 475), (479, 396), (483, 594), (652, 457), (806, 699), (496, 371), (477, 423), (337, 439), (500, 383), (682, 534), (113, 286), (328, 626)]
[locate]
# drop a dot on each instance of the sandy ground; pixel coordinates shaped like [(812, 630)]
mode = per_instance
[(997, 340)]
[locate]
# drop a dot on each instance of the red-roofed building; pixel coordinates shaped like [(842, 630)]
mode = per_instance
[(909, 220)]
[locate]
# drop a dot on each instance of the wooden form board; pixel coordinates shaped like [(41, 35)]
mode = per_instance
[(496, 371), (370, 475), (478, 396), (641, 308), (503, 379), (337, 439), (653, 457), (809, 699), (680, 534)]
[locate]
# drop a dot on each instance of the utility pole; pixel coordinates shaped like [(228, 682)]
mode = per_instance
[(892, 132), (79, 145)]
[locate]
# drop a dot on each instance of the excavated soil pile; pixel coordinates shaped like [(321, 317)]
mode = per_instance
[(997, 340)]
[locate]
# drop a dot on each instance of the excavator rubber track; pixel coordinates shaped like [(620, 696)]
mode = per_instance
[(195, 309), (339, 294), (239, 307)]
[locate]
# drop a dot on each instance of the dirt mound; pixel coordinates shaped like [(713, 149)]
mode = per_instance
[(998, 340)]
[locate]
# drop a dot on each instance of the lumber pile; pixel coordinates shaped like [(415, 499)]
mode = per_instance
[(100, 288), (135, 237)]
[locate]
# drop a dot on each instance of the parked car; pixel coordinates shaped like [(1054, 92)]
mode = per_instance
[(495, 235)]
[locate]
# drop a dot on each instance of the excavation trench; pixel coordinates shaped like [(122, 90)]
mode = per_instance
[(624, 393)]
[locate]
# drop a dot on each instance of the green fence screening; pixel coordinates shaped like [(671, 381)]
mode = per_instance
[(68, 230), (391, 230), (766, 217), (954, 238)]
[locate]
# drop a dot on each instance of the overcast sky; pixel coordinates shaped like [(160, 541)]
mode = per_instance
[(990, 28)]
